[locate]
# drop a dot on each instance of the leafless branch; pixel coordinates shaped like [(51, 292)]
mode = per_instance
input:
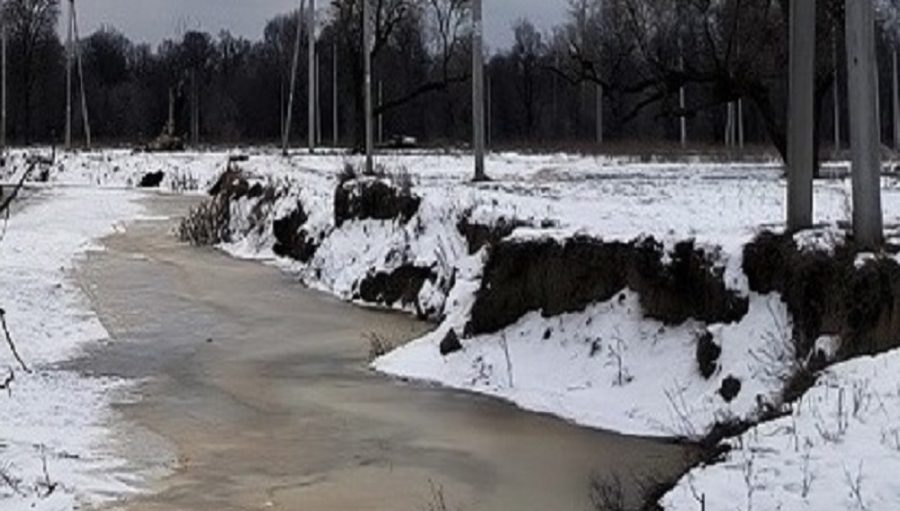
[(10, 343)]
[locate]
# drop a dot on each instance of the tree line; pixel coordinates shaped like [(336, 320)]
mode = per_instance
[(627, 62)]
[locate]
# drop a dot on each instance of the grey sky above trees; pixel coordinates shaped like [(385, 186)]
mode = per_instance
[(154, 20)]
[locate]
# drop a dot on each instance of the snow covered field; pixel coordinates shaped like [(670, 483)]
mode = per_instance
[(55, 446), (608, 366)]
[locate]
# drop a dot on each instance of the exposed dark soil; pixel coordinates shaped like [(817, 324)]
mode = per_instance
[(373, 198), (291, 239), (401, 286), (480, 235), (152, 179), (562, 277), (827, 294)]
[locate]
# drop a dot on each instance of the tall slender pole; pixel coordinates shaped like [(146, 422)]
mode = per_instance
[(380, 115), (478, 90), (682, 101), (3, 41), (286, 131), (489, 114), (367, 84), (599, 114), (84, 109), (69, 49), (281, 107), (864, 138), (311, 74), (194, 137), (318, 106), (740, 123), (836, 88), (729, 119), (335, 132), (800, 114), (896, 102)]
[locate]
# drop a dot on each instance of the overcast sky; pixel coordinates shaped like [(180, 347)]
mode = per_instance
[(154, 20)]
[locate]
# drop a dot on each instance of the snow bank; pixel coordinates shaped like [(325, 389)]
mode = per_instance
[(838, 448), (609, 367), (54, 423)]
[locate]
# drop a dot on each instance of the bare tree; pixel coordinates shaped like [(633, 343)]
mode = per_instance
[(32, 29)]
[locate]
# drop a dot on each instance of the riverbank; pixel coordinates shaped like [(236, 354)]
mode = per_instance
[(57, 449), (569, 284), (261, 386)]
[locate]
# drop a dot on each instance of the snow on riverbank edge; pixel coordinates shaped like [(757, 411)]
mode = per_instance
[(56, 445)]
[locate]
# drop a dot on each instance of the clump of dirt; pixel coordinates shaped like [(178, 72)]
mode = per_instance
[(292, 240), (373, 198), (152, 179), (828, 293), (708, 353), (561, 277), (399, 286), (450, 343), (730, 388)]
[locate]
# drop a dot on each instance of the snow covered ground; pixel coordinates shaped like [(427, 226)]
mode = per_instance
[(607, 366), (839, 448), (56, 451)]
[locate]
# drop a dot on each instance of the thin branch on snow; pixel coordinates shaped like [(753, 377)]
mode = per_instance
[(6, 384), (10, 343), (46, 484), (13, 483)]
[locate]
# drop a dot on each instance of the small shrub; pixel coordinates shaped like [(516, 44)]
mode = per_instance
[(207, 224)]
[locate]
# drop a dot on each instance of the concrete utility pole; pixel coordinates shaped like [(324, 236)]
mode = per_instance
[(286, 129), (682, 102), (836, 89), (599, 92), (335, 133), (318, 106), (311, 75), (740, 123), (69, 50), (896, 102), (367, 83), (3, 39), (864, 138), (478, 90), (84, 109), (800, 114), (489, 114), (380, 115)]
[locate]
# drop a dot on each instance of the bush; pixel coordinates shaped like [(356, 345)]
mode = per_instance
[(207, 224)]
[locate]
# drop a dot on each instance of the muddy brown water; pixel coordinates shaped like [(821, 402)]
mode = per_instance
[(255, 393)]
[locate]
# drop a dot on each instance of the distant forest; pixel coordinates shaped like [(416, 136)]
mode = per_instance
[(543, 90)]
